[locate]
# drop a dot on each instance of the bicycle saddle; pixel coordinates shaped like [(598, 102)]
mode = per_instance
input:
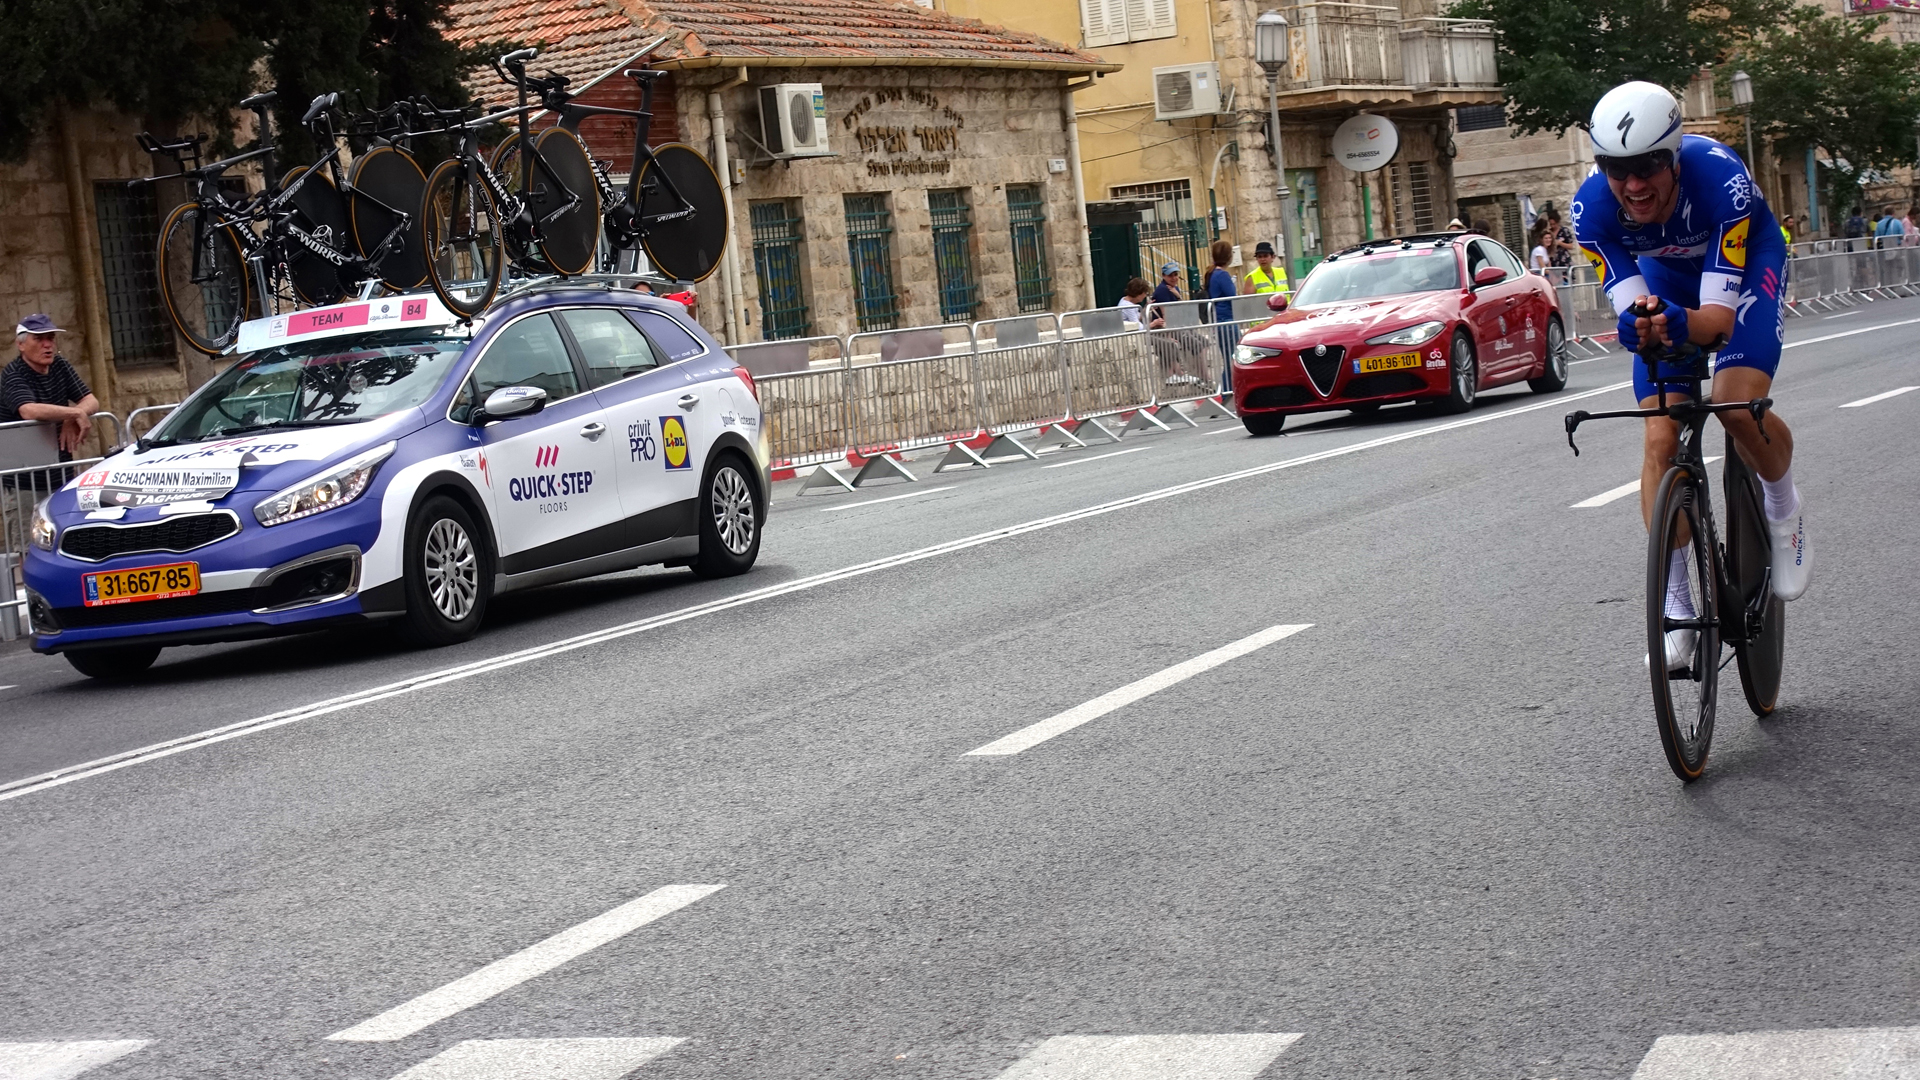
[(260, 99), (320, 106)]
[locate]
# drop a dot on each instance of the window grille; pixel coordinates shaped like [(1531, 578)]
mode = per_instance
[(1172, 199), (1412, 196), (776, 263), (876, 306), (1480, 117), (1027, 210), (137, 323), (1513, 232), (953, 254)]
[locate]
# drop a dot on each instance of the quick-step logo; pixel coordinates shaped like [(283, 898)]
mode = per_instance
[(673, 440), (551, 487)]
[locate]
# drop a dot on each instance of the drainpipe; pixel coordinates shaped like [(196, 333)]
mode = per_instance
[(1079, 189), (730, 288), (86, 263)]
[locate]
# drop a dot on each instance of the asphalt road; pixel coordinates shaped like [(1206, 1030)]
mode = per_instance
[(1425, 829)]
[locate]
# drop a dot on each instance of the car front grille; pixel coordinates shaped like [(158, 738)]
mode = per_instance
[(1275, 397), (1323, 368), (180, 607), (183, 532), (1386, 382)]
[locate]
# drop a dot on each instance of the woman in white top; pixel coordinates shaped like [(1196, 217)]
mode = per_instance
[(1539, 261)]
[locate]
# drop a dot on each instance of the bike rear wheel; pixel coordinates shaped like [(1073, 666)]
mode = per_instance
[(567, 242), (203, 278), (1749, 556), (386, 183), (460, 230), (321, 212), (685, 248), (1683, 699)]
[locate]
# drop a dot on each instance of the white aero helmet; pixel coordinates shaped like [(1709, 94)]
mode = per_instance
[(1636, 118)]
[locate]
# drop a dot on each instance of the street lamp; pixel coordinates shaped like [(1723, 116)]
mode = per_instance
[(1270, 51), (1743, 100)]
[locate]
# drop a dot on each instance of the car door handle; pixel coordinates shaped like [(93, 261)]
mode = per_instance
[(593, 430), (688, 401)]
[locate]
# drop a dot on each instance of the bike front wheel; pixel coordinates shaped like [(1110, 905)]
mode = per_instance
[(203, 278), (388, 183), (1749, 556), (1684, 698), (460, 230)]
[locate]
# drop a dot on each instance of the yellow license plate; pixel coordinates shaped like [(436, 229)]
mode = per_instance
[(1367, 365), (146, 583)]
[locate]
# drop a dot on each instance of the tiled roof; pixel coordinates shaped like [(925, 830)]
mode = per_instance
[(587, 37)]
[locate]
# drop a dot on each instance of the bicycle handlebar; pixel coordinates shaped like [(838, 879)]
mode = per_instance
[(319, 107)]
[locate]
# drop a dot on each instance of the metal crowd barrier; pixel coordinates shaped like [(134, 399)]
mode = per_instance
[(804, 401), (911, 388)]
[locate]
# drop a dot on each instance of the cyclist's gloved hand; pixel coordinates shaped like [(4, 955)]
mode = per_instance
[(1630, 330), (1676, 328)]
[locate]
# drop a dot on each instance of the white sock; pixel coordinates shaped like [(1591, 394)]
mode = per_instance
[(1783, 499), (1679, 594)]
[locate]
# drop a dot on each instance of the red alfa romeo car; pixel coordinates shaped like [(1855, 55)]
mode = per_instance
[(1437, 317)]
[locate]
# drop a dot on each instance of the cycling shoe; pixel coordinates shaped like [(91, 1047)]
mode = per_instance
[(1680, 648), (1792, 557)]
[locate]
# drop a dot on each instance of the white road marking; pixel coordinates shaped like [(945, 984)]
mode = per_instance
[(9, 686), (547, 1059), (1893, 1053), (1034, 734), (1241, 430), (1621, 492), (1880, 397), (890, 498), (1793, 344), (1844, 314), (1150, 1057), (29, 785), (508, 972), (1096, 457), (61, 1060)]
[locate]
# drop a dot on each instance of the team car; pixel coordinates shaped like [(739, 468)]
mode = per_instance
[(384, 461), (1438, 317)]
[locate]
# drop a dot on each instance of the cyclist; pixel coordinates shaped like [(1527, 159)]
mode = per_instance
[(1677, 217)]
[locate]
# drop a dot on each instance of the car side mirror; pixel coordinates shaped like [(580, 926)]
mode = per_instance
[(511, 403), (1276, 301), (1489, 275)]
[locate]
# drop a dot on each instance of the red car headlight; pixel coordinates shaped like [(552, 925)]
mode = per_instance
[(1249, 354)]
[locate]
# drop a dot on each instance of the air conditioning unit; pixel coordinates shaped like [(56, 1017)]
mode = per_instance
[(793, 120), (1186, 90)]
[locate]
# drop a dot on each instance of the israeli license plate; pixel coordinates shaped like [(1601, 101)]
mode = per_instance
[(1367, 365), (146, 583)]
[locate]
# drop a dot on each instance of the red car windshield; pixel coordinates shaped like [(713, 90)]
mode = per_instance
[(1362, 277)]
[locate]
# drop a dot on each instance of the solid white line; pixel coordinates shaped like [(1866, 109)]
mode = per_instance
[(1783, 1055), (1096, 457), (890, 498), (61, 1060), (1034, 734), (508, 972), (29, 785), (1849, 333), (555, 1059), (1150, 1057), (1622, 491), (1880, 397), (9, 686), (1241, 430), (1843, 315)]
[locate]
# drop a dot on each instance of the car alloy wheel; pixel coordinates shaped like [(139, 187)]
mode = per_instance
[(1464, 382), (452, 569), (1553, 374), (733, 514)]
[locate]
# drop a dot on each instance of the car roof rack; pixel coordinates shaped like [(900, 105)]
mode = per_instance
[(1401, 242)]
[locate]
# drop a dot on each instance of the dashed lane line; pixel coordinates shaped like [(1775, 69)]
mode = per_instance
[(558, 1059), (1621, 492), (1784, 1055), (1795, 344), (1880, 397), (154, 752), (1151, 1057), (61, 1060)]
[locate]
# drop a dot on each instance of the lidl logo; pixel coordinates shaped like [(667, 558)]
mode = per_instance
[(1733, 246), (1593, 257), (673, 443)]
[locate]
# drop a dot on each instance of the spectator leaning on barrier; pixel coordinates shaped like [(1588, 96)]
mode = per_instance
[(1168, 291), (1265, 277), (40, 385), (1130, 304)]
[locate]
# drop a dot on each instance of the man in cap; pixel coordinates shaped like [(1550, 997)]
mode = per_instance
[(1168, 291), (40, 385), (1266, 277)]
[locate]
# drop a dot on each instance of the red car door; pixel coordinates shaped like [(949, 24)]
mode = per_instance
[(1495, 313)]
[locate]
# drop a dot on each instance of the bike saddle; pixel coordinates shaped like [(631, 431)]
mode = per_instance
[(320, 106), (642, 74), (260, 99)]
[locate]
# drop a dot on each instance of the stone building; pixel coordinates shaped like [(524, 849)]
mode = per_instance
[(947, 192)]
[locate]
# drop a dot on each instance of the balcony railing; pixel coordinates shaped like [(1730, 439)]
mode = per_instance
[(1448, 52), (1365, 45)]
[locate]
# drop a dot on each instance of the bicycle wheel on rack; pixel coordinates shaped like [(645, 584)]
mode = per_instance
[(321, 211), (685, 248), (521, 255), (1749, 555), (569, 240), (460, 232), (385, 180), (1683, 698), (203, 278)]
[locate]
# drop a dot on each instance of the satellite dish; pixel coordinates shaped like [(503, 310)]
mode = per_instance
[(1365, 143)]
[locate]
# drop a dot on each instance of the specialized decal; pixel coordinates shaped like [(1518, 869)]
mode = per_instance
[(673, 440), (641, 445), (1733, 245), (1747, 300)]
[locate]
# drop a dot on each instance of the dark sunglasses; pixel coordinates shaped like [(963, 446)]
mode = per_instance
[(1642, 166)]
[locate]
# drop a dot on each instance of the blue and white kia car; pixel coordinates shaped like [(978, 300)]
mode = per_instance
[(382, 461)]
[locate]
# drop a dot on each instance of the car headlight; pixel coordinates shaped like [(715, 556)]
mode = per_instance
[(43, 532), (1416, 334), (1247, 354), (337, 486)]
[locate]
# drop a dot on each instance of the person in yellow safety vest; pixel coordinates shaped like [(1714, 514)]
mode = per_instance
[(1786, 232), (1266, 277)]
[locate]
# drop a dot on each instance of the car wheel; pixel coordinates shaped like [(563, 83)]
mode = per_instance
[(1464, 382), (115, 663), (1264, 423), (1554, 376), (730, 518), (448, 575)]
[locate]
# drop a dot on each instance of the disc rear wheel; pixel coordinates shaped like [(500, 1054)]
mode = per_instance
[(321, 212), (386, 184), (1684, 698), (1749, 555), (686, 247)]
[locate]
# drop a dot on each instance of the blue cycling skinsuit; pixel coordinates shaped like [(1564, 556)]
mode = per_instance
[(1721, 247)]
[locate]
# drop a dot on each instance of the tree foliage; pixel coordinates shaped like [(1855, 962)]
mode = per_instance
[(177, 63), (1557, 57), (1823, 81)]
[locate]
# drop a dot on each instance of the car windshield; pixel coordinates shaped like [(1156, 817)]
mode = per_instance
[(346, 380), (1384, 274)]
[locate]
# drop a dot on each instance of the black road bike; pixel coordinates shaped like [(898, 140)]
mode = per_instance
[(1732, 583), (540, 202)]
